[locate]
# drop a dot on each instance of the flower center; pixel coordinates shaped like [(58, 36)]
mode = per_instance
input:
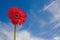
[(16, 15)]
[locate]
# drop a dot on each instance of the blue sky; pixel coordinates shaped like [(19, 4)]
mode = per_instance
[(42, 22)]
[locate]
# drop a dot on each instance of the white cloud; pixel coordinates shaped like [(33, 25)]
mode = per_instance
[(7, 34), (25, 35), (56, 38)]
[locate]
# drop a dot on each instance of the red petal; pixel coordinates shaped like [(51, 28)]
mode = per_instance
[(11, 14)]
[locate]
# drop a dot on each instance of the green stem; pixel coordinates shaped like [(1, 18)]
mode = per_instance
[(14, 32)]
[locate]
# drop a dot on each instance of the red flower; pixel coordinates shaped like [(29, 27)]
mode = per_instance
[(17, 16)]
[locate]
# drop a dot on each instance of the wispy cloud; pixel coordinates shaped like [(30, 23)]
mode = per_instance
[(54, 8), (47, 6), (55, 11)]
